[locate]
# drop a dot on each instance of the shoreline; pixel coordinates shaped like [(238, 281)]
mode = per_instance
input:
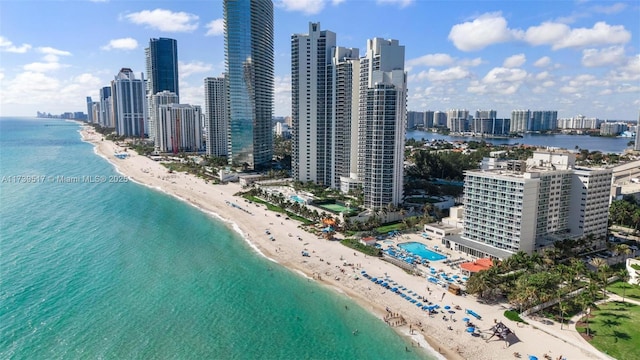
[(336, 266)]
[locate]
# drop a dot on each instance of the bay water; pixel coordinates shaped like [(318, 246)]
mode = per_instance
[(103, 270)]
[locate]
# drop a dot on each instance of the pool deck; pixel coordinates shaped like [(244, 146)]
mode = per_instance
[(439, 265)]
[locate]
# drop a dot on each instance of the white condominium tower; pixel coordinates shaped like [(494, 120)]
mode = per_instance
[(345, 75), (457, 120), (512, 206), (215, 106), (129, 103), (157, 99), (312, 140), (180, 128), (381, 123), (520, 121)]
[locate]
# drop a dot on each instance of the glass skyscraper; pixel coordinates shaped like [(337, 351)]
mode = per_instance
[(162, 66), (248, 27)]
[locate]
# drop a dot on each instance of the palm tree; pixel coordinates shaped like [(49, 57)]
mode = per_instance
[(623, 249), (562, 307), (602, 268), (624, 277)]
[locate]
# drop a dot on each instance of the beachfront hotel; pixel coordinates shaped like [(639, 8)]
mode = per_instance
[(129, 103), (249, 63), (512, 206), (162, 75), (215, 107)]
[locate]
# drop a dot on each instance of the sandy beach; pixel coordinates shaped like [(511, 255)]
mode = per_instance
[(339, 268)]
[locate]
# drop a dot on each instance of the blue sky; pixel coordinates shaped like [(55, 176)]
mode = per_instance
[(577, 57)]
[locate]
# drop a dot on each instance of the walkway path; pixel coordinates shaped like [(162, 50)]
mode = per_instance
[(569, 333)]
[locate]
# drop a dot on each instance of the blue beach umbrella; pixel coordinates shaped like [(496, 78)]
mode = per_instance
[(532, 357), (447, 307), (465, 319), (471, 329)]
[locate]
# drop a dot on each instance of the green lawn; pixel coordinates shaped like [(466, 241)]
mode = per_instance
[(384, 229), (630, 291), (615, 329)]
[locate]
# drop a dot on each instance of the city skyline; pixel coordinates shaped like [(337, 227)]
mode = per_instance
[(575, 57)]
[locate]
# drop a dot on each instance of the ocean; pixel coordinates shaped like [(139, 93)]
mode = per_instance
[(96, 270)]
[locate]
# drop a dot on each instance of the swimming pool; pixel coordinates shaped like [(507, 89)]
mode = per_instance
[(298, 199), (421, 250)]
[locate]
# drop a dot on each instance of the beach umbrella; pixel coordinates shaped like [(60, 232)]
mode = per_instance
[(471, 329), (363, 272), (532, 357), (394, 289), (419, 304), (447, 307), (465, 319)]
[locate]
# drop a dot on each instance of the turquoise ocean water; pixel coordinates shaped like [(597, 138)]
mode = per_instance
[(121, 271)]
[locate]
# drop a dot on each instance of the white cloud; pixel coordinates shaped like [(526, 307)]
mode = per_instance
[(514, 61), (165, 20), (336, 2), (628, 72), (569, 90), (487, 29), (121, 44), (7, 46), (51, 58), (613, 9), (593, 57), (470, 62), (216, 27), (431, 60), (600, 34), (51, 51), (187, 69), (401, 3), (501, 75), (542, 62), (546, 34), (41, 67), (541, 76), (450, 74), (307, 7)]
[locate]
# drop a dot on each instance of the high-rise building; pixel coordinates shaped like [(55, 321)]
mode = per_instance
[(345, 95), (428, 119), (89, 109), (156, 100), (215, 106), (179, 128), (105, 117), (129, 104), (249, 62), (311, 85), (162, 66), (439, 119), (520, 121), (512, 206), (545, 120), (415, 119), (382, 123), (457, 120)]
